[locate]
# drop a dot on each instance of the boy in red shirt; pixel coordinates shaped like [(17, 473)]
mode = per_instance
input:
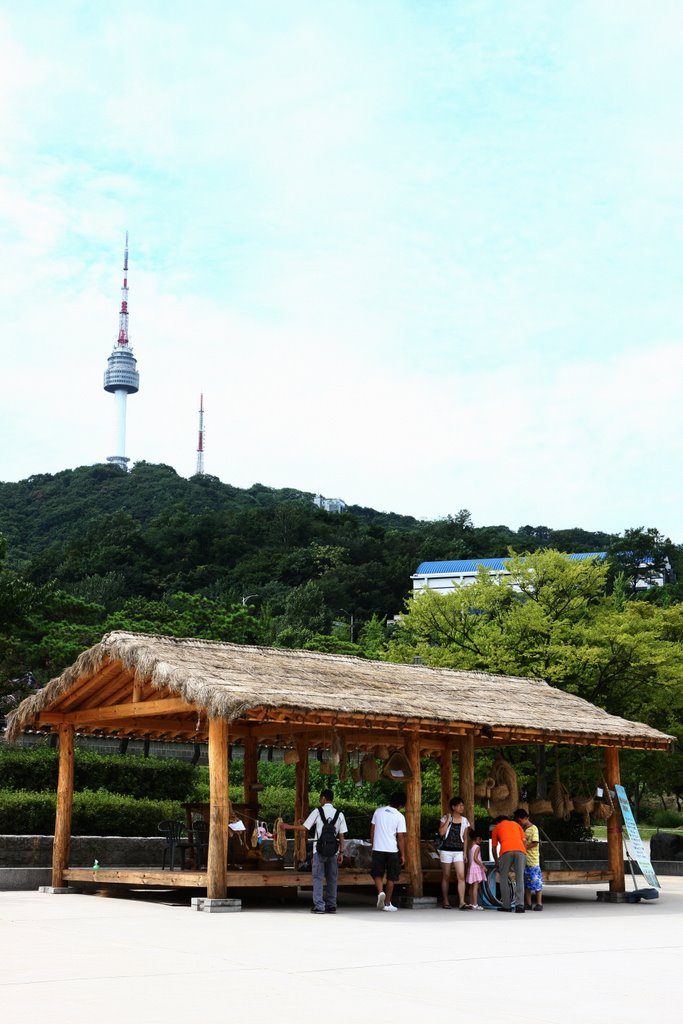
[(509, 836)]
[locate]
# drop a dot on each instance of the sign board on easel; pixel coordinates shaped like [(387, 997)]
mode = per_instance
[(635, 842)]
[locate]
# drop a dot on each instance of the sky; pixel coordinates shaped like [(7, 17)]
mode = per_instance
[(423, 255)]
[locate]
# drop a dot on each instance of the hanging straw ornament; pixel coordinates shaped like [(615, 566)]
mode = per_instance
[(560, 798), (369, 769), (540, 807), (505, 778), (343, 759), (300, 847), (584, 805), (398, 768), (279, 838)]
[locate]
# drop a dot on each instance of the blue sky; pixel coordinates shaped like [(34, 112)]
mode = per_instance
[(420, 255)]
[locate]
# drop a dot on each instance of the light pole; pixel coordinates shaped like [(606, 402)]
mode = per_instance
[(350, 615)]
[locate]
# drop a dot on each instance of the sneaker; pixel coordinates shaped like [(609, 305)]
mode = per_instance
[(381, 900), (317, 910), (391, 908), (330, 910), (539, 906), (477, 907), (504, 910), (519, 910)]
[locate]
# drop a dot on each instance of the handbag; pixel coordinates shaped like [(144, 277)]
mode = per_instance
[(439, 839)]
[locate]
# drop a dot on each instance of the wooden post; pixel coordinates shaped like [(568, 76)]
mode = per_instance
[(414, 814), (615, 842), (301, 806), (467, 775), (216, 882), (446, 776), (65, 796), (250, 777)]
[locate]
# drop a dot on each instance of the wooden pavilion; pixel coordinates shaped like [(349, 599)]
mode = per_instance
[(137, 686)]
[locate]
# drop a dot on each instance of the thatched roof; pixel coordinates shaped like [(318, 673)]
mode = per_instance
[(250, 684)]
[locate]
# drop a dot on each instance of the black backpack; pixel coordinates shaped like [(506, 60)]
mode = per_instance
[(327, 843)]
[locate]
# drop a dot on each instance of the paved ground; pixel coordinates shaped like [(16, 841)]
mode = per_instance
[(97, 960)]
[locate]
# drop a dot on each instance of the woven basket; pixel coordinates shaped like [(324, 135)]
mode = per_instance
[(560, 799), (397, 768), (291, 757), (601, 812), (369, 769), (540, 807)]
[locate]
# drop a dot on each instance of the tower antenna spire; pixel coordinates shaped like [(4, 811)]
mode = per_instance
[(200, 442), (123, 314), (121, 377)]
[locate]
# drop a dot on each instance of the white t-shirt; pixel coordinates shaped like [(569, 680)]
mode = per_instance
[(329, 810), (388, 823)]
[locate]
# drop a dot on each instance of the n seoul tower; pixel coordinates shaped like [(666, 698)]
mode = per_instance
[(121, 377)]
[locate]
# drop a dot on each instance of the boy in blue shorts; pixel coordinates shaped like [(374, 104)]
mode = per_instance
[(533, 879)]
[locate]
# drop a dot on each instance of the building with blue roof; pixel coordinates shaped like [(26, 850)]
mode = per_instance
[(443, 577)]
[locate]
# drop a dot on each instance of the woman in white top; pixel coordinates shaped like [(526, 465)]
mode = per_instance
[(454, 828)]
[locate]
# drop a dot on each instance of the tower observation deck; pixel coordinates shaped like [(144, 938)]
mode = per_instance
[(121, 377)]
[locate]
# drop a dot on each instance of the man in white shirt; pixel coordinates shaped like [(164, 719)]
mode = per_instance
[(325, 863), (388, 838)]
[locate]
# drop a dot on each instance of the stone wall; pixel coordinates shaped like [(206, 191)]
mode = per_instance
[(110, 851)]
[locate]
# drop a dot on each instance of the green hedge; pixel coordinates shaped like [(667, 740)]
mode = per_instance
[(99, 813), (156, 778), (94, 814)]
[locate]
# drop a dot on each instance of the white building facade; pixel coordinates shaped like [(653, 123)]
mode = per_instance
[(443, 577)]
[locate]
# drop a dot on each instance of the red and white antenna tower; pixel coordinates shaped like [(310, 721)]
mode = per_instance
[(200, 442), (121, 377)]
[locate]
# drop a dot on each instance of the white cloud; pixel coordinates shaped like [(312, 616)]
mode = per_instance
[(420, 259)]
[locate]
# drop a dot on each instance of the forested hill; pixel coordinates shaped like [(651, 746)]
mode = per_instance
[(94, 549), (44, 509)]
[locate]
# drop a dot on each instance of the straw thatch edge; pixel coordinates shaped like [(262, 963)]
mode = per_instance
[(149, 666)]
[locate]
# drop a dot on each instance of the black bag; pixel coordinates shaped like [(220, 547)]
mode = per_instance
[(439, 839), (327, 842)]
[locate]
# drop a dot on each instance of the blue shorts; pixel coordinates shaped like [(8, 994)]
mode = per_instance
[(533, 879)]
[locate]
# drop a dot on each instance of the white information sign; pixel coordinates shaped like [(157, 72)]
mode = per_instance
[(636, 844)]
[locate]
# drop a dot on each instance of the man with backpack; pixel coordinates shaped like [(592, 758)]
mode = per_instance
[(328, 851)]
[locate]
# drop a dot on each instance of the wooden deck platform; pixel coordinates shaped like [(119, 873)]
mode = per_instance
[(575, 877), (197, 879), (249, 879)]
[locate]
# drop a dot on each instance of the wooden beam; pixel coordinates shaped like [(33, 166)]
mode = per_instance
[(120, 682), (250, 767), (146, 726), (301, 806), (216, 885), (138, 877), (467, 775), (414, 814), (248, 879), (446, 764), (65, 795), (615, 841), (85, 687), (112, 712)]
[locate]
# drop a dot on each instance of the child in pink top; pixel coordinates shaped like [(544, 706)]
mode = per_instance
[(476, 872)]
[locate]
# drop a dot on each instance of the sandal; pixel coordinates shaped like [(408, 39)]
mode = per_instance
[(446, 906), (465, 906)]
